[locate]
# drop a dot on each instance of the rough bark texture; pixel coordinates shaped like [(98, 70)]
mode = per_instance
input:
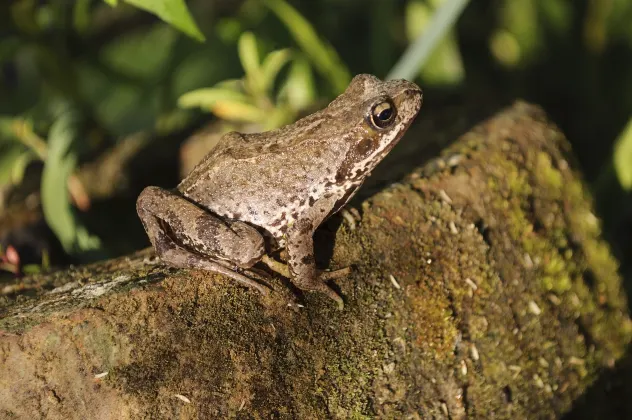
[(482, 289)]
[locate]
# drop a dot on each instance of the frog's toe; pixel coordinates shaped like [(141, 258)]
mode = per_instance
[(276, 266), (332, 294), (248, 282), (335, 274)]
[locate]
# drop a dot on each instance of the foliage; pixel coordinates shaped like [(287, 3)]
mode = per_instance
[(623, 157), (59, 164), (174, 12), (250, 99), (14, 156), (322, 55)]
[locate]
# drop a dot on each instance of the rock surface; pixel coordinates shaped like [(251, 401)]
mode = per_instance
[(482, 288)]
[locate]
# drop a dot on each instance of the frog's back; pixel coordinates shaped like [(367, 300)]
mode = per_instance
[(332, 122), (270, 178), (262, 177), (235, 146)]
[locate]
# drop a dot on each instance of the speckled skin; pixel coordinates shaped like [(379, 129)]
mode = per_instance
[(255, 193)]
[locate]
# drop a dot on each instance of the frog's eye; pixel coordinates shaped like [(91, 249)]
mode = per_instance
[(383, 114)]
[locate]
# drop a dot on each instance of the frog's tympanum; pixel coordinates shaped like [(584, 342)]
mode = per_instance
[(254, 194)]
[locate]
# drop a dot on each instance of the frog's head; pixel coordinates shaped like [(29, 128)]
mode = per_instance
[(379, 113)]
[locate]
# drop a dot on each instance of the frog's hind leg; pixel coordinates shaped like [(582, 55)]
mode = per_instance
[(187, 236), (284, 270)]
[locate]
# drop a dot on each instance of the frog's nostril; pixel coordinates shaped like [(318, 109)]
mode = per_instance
[(415, 93)]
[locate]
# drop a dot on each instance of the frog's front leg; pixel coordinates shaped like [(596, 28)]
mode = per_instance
[(185, 235), (300, 250)]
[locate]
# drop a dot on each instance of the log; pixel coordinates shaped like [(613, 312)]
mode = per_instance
[(481, 288)]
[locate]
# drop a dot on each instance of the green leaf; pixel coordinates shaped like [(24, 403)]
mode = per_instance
[(174, 12), (521, 19), (207, 98), (9, 155), (321, 54), (125, 86), (60, 163), (248, 52), (231, 84), (20, 164), (81, 15), (112, 3), (272, 64), (6, 130), (623, 157), (239, 111), (30, 269), (249, 56), (298, 90), (135, 57), (14, 155), (227, 104)]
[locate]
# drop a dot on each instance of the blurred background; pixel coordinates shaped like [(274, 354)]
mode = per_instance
[(100, 98)]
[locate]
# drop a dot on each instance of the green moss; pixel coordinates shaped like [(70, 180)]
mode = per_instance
[(359, 416), (513, 191), (561, 199), (546, 175), (556, 277)]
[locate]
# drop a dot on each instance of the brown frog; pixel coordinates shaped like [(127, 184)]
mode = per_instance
[(257, 193)]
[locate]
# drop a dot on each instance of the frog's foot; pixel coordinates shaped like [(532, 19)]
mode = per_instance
[(319, 285), (276, 266), (282, 269), (186, 236), (177, 256)]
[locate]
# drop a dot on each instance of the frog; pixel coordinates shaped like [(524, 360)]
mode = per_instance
[(255, 194)]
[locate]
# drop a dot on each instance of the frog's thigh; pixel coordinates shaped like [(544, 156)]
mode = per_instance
[(191, 227)]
